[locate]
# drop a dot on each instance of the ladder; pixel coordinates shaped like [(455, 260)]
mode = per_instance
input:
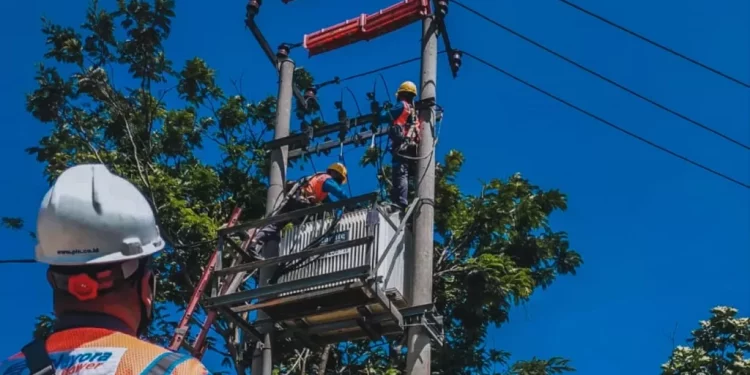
[(199, 346)]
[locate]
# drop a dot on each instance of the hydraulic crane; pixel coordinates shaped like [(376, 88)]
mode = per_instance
[(366, 27)]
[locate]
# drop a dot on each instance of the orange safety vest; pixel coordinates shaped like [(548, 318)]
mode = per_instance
[(312, 189), (100, 351), (407, 123)]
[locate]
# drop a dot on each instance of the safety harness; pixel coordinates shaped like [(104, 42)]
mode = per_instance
[(297, 190), (410, 128), (37, 359)]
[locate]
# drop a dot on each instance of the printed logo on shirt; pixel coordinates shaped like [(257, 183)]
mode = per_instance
[(82, 361)]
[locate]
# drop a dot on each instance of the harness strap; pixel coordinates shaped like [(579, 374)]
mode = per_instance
[(37, 358), (299, 192)]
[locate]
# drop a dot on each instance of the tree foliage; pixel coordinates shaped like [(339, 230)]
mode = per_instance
[(109, 94), (720, 346)]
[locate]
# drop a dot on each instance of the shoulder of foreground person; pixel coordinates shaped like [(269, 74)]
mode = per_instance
[(174, 363), (116, 353)]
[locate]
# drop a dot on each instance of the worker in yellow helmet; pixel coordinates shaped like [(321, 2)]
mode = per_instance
[(307, 192), (405, 135)]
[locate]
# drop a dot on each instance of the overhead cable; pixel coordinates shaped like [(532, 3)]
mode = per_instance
[(602, 77), (608, 123), (15, 261), (655, 44), (370, 72)]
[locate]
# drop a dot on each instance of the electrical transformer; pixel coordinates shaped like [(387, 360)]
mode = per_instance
[(352, 225)]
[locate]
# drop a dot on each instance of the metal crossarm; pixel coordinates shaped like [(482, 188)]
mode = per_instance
[(303, 139), (298, 140), (360, 137)]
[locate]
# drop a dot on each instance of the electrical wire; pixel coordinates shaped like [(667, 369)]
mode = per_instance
[(354, 97), (602, 77), (338, 80), (381, 69), (383, 181), (343, 162), (608, 123), (16, 261), (655, 44)]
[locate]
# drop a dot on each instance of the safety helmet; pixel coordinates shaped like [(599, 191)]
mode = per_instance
[(340, 169), (407, 87), (91, 216)]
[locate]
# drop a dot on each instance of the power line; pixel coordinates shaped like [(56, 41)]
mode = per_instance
[(655, 44), (12, 261), (369, 72), (602, 77), (608, 123), (378, 70)]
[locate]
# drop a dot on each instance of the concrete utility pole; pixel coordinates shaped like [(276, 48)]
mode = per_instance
[(419, 354), (276, 180)]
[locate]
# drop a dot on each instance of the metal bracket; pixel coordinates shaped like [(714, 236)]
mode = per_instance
[(427, 318), (322, 147), (425, 103)]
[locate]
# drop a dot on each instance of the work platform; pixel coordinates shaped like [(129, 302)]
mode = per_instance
[(342, 277)]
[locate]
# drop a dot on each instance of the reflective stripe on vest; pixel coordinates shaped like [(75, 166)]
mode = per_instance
[(165, 364), (313, 188)]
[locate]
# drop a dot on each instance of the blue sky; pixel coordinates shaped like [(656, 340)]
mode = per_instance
[(663, 241)]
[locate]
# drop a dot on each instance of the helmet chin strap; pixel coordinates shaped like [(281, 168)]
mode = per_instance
[(147, 313), (146, 319)]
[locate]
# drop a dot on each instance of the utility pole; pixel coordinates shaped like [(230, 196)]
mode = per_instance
[(276, 181), (419, 354)]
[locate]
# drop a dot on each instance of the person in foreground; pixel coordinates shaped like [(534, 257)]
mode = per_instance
[(98, 234)]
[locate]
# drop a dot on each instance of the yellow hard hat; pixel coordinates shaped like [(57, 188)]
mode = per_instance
[(407, 86), (340, 169)]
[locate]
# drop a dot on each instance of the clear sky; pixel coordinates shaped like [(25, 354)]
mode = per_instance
[(662, 241)]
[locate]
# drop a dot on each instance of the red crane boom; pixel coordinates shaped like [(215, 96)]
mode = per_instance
[(366, 27)]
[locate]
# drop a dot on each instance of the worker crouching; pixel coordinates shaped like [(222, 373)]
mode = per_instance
[(307, 192), (404, 133), (98, 234)]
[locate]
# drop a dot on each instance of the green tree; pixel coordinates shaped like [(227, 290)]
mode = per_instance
[(720, 346), (493, 250)]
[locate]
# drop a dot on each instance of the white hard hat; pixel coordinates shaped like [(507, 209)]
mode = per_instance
[(91, 216)]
